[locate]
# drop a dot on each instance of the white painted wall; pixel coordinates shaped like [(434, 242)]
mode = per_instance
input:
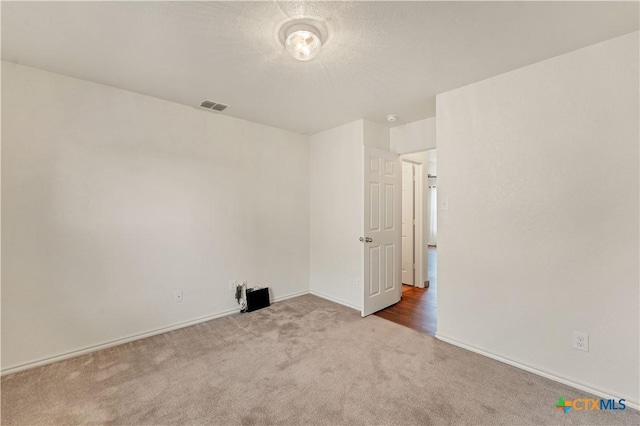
[(111, 201), (414, 137), (375, 135), (336, 188), (540, 167)]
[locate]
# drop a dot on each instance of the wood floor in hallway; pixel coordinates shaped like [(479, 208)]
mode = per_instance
[(417, 309)]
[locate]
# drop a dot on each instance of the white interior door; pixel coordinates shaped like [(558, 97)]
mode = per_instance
[(382, 230), (408, 223)]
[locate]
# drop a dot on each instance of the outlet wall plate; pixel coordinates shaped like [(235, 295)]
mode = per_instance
[(580, 341), (177, 296)]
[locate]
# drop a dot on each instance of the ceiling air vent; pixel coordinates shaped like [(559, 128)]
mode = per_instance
[(213, 105)]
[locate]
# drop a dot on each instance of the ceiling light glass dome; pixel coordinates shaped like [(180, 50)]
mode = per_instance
[(303, 42)]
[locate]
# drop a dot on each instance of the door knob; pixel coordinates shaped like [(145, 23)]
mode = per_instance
[(365, 240)]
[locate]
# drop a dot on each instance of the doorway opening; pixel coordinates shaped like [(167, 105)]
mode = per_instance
[(418, 307)]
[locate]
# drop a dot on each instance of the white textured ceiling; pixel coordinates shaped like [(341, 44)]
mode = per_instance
[(381, 58)]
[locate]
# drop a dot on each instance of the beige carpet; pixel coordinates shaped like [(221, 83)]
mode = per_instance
[(301, 361)]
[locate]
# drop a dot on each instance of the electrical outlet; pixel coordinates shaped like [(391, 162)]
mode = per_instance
[(580, 341), (358, 282), (232, 285), (177, 296)]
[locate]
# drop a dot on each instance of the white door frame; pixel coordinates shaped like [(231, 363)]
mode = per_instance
[(418, 240), (409, 192)]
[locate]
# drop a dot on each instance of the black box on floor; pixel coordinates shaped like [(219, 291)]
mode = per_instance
[(257, 299)]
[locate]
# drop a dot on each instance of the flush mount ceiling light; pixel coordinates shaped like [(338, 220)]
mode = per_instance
[(391, 118), (303, 42), (303, 38)]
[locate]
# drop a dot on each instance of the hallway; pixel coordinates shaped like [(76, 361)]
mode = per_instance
[(418, 307)]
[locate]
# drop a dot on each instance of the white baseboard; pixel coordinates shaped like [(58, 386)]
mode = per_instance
[(602, 393), (290, 296), (333, 299), (131, 338)]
